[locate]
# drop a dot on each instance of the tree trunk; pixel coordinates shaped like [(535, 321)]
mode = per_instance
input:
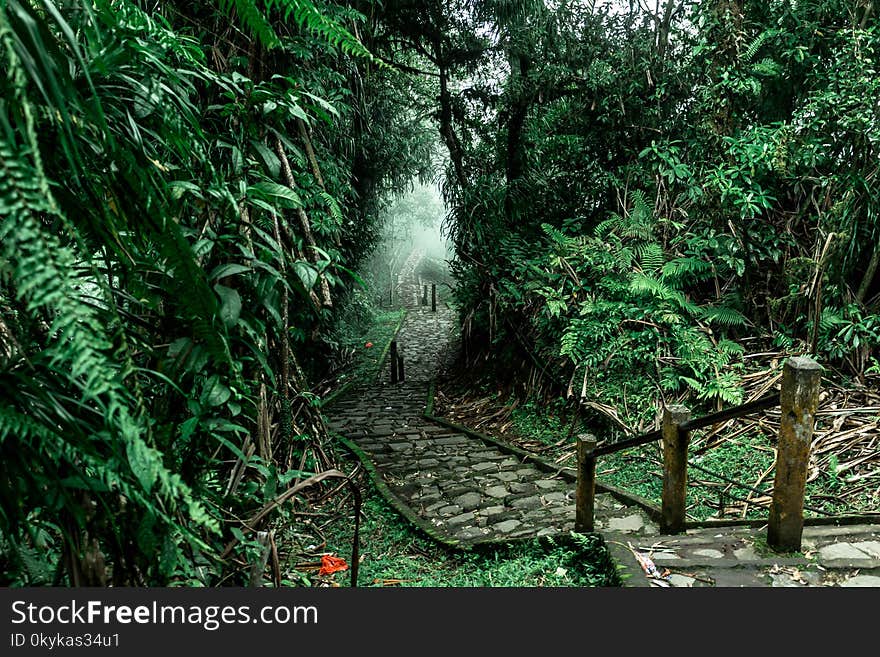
[(664, 27), (310, 152), (868, 278), (447, 129), (304, 222), (515, 165)]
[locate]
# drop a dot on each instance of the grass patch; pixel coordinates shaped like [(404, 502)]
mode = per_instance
[(763, 550), (541, 423), (635, 470), (639, 470), (378, 333)]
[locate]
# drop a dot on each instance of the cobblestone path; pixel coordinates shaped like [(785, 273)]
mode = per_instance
[(465, 490), (458, 487)]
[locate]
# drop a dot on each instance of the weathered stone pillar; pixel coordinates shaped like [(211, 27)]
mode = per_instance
[(798, 400), (585, 497), (675, 447)]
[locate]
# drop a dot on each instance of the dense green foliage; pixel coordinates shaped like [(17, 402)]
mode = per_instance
[(184, 196), (633, 194), (187, 191)]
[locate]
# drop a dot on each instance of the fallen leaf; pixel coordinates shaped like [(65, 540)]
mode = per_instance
[(331, 564)]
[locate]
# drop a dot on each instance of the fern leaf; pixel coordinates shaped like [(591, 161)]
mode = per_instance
[(332, 205), (730, 347), (723, 315), (749, 53), (644, 284), (608, 226), (253, 20), (555, 234), (45, 277), (681, 269), (650, 256), (310, 18)]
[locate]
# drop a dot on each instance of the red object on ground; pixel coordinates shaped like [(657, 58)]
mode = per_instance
[(368, 345), (331, 564)]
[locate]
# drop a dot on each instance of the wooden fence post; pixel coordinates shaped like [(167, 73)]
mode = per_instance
[(400, 375), (433, 297), (585, 497), (798, 401), (393, 358), (675, 447)]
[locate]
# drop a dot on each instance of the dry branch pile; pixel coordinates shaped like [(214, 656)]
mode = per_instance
[(845, 445)]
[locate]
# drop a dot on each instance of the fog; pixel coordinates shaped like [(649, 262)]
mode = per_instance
[(414, 221)]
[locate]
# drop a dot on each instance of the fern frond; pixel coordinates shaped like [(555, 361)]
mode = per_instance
[(643, 284), (766, 67), (730, 347), (310, 18), (608, 226), (560, 238), (681, 269), (641, 212), (44, 275), (634, 230), (723, 315), (624, 257), (332, 205), (42, 271), (830, 318), (749, 53), (650, 256), (253, 20)]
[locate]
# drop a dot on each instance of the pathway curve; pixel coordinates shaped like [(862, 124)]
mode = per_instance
[(464, 490), (460, 488)]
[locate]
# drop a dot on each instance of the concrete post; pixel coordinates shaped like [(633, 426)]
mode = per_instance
[(675, 446), (798, 400), (585, 497)]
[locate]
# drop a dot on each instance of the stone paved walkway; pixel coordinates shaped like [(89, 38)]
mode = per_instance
[(847, 556), (465, 490)]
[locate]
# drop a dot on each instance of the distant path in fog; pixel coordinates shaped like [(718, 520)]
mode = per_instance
[(459, 488)]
